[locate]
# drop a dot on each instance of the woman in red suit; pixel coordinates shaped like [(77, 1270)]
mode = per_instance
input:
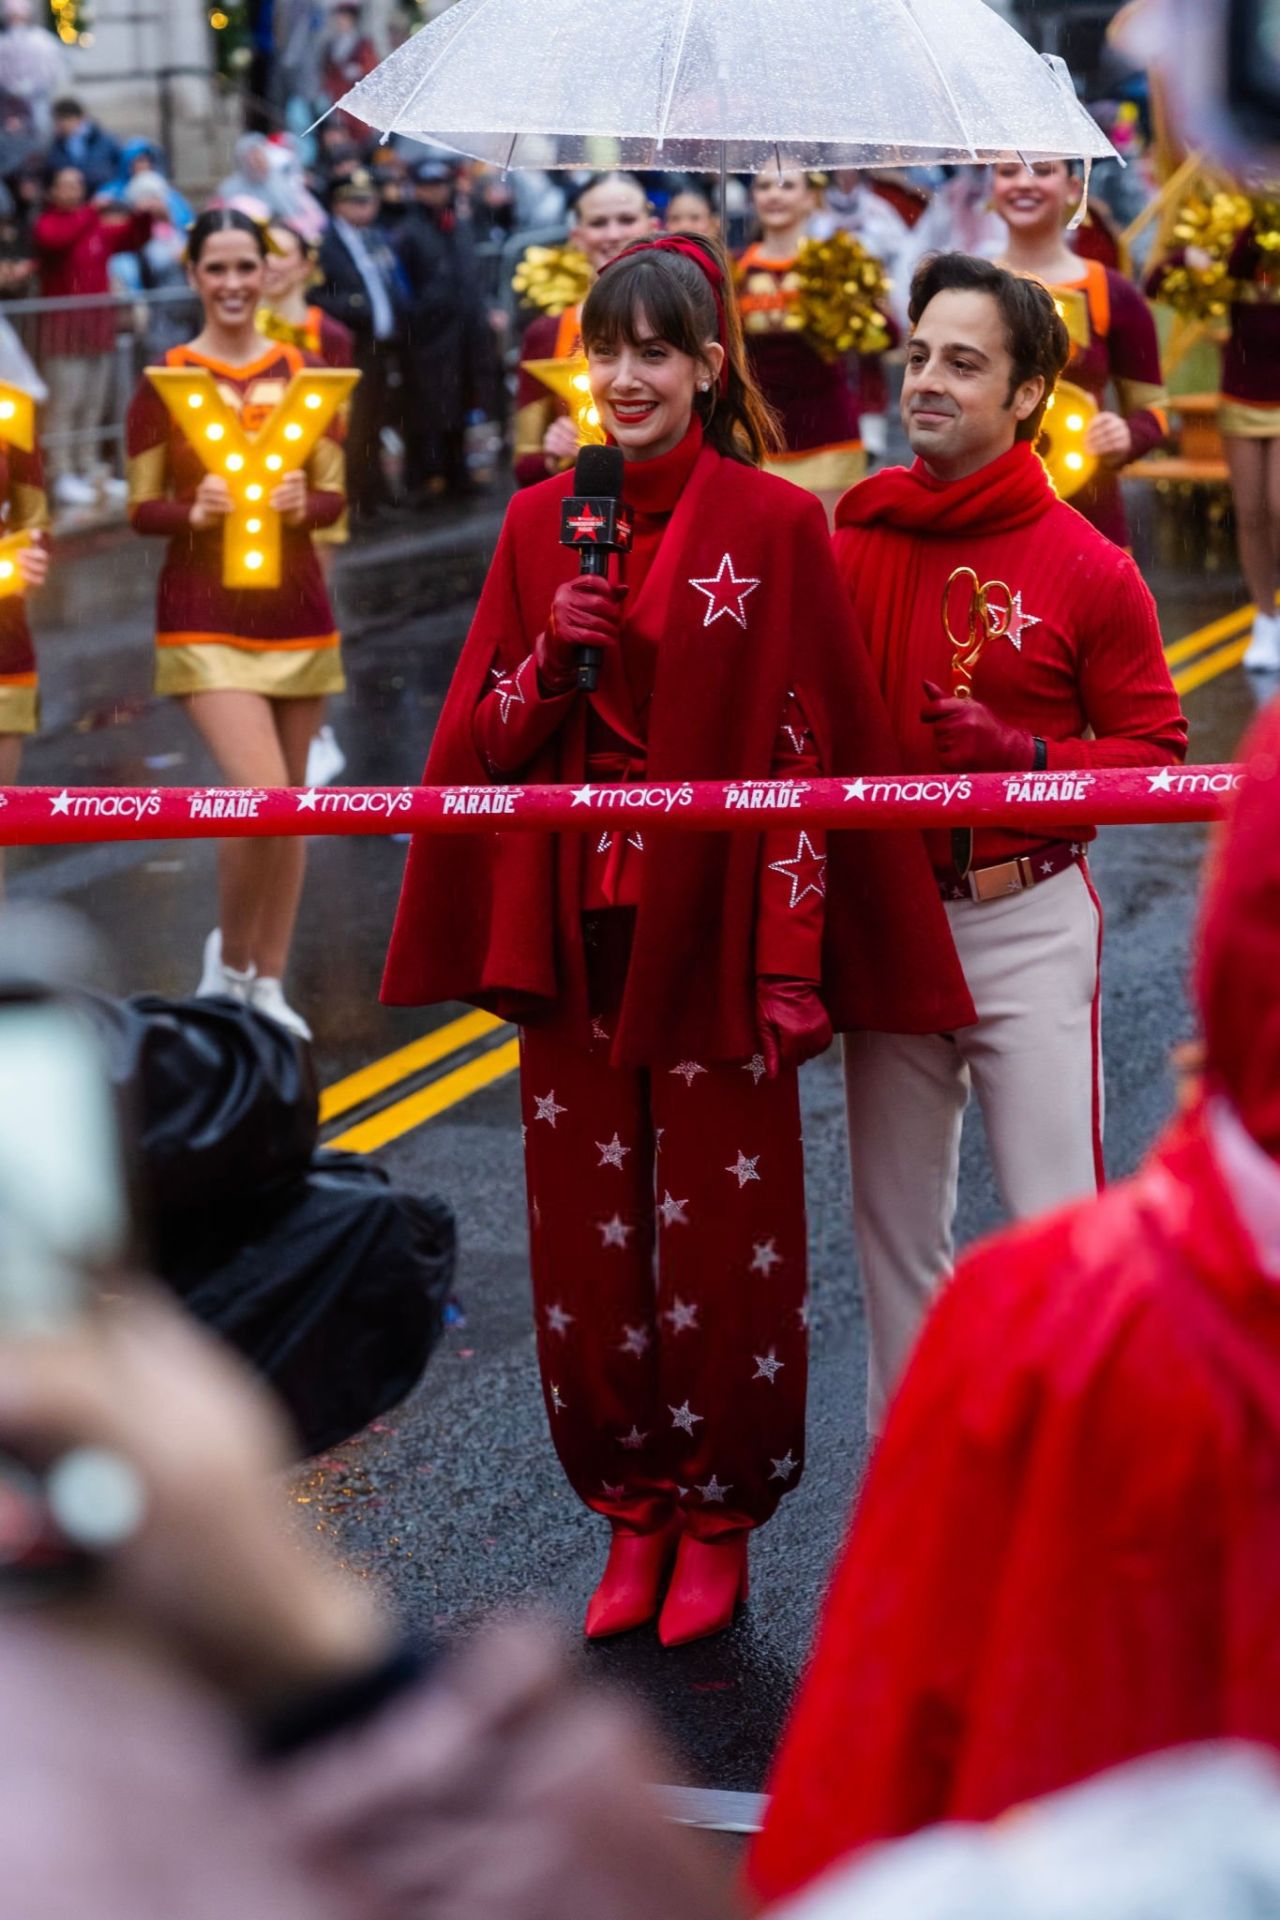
[(668, 986)]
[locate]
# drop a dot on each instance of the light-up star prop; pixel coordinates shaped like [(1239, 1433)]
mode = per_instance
[(17, 418), (726, 594), (252, 465), (11, 580), (569, 381), (806, 870), (1068, 416)]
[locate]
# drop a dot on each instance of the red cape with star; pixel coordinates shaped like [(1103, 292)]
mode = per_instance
[(1067, 1552), (743, 604)]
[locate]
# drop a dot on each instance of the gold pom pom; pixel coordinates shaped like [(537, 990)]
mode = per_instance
[(843, 289), (552, 278)]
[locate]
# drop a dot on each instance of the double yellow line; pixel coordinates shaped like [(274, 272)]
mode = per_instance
[(488, 1046)]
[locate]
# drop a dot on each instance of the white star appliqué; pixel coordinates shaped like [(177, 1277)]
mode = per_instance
[(784, 1468), (756, 1067), (744, 1168), (682, 1317), (689, 1071), (547, 1108), (765, 1257), (558, 1320), (768, 1366), (615, 1232), (509, 691), (556, 1401), (634, 1440), (1019, 621), (612, 1152), (634, 1340), (713, 1493), (806, 870), (673, 1211), (682, 1417), (726, 594)]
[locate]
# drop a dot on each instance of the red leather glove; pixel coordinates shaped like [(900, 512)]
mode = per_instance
[(586, 612), (794, 1025), (970, 738)]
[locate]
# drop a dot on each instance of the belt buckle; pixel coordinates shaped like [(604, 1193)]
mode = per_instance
[(998, 882)]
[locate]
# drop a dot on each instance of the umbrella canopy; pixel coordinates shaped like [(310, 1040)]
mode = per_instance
[(713, 83)]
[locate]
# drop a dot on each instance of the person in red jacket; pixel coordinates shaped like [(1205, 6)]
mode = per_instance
[(23, 509), (1067, 1552), (971, 546), (75, 238), (668, 986)]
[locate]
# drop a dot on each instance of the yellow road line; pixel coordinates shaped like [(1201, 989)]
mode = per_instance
[(368, 1081), (417, 1108), (1204, 637), (1209, 669)]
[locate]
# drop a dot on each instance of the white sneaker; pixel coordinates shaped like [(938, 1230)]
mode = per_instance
[(325, 758), (267, 996), (71, 491), (1263, 653), (114, 488), (219, 982)]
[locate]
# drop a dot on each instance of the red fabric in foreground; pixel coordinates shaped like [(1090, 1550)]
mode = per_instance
[(1067, 1552)]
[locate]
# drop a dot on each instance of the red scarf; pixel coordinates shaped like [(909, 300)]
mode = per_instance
[(1006, 494)]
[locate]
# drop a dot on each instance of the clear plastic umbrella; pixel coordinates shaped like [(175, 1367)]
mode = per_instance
[(726, 83)]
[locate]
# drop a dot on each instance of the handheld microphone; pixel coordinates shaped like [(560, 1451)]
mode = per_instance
[(594, 520)]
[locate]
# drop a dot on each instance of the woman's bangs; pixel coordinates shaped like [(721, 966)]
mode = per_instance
[(637, 301)]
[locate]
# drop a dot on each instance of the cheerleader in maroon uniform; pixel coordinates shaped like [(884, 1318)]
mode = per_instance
[(1113, 334), (253, 665), (812, 397), (668, 986), (25, 510)]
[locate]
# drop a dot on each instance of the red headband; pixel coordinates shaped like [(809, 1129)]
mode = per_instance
[(706, 265)]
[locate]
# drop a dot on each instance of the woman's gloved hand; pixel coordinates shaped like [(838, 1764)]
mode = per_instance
[(586, 612), (794, 1025)]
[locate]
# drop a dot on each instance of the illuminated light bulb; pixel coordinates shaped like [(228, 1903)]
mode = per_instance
[(215, 432), (7, 569), (593, 417), (253, 493), (253, 561), (293, 431), (1073, 462), (234, 462), (1049, 403), (274, 463), (581, 383), (314, 400), (253, 526), (1075, 423), (7, 409), (195, 401)]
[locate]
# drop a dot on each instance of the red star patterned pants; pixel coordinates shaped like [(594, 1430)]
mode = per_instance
[(668, 1249)]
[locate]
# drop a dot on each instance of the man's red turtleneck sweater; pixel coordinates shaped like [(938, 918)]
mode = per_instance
[(1083, 666)]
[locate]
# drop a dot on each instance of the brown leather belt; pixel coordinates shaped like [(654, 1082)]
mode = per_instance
[(1002, 877)]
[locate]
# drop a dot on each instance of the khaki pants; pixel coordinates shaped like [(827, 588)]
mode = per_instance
[(79, 384), (1034, 1060)]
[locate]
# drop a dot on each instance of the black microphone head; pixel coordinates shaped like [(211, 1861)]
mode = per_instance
[(598, 473)]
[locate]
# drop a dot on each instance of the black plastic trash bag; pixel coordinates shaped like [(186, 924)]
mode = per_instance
[(223, 1101), (333, 1287)]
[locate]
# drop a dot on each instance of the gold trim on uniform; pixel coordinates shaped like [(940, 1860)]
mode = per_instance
[(821, 469), (28, 509), (211, 666), (19, 707), (1141, 396), (1247, 420), (148, 475)]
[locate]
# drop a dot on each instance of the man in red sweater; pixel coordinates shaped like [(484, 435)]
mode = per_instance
[(1009, 636), (74, 240)]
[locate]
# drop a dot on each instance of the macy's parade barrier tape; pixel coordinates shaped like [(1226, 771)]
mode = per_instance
[(1034, 802)]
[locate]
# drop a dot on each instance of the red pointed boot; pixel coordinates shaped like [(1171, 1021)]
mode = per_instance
[(631, 1587), (709, 1582)]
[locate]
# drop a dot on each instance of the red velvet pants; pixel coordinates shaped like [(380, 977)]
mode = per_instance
[(668, 1246)]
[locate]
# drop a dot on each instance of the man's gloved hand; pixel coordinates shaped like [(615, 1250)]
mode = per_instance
[(586, 612), (970, 738), (794, 1025)]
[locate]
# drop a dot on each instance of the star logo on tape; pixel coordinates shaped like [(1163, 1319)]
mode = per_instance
[(61, 803), (307, 800), (1161, 782), (726, 593)]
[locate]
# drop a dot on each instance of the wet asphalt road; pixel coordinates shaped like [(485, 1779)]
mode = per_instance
[(454, 1504)]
